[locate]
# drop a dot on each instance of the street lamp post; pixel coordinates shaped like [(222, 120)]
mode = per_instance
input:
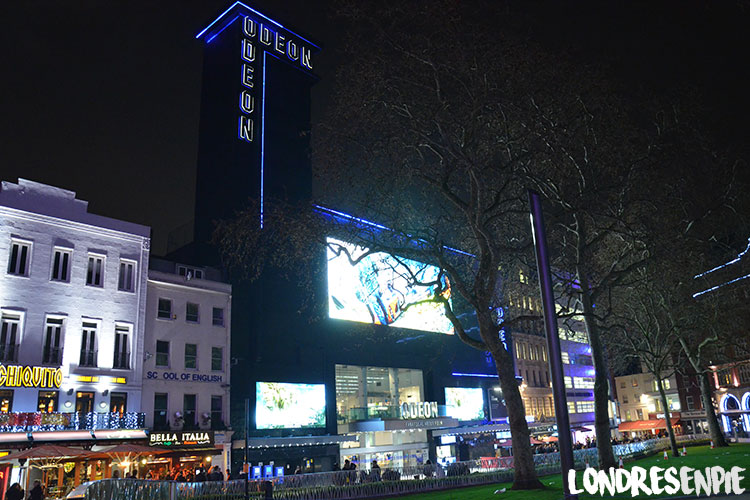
[(564, 439)]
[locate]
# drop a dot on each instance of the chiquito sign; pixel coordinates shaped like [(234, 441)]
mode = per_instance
[(708, 481)]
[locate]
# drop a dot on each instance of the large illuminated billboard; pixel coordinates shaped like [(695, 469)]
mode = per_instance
[(289, 406), (384, 290), (464, 403)]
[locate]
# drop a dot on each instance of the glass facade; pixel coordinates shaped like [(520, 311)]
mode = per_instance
[(370, 392), (365, 392)]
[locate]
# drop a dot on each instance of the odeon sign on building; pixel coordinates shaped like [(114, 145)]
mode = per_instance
[(420, 409), (30, 376)]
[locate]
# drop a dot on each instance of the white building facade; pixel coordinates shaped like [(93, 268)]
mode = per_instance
[(72, 300), (187, 355)]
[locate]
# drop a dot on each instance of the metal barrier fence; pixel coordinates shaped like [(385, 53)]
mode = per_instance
[(340, 485)]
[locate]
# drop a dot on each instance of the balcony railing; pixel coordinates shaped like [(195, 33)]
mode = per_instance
[(122, 360), (74, 421), (52, 356), (9, 353), (88, 358)]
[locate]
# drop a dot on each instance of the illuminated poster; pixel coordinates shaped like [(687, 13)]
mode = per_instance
[(289, 406), (381, 289), (464, 403)]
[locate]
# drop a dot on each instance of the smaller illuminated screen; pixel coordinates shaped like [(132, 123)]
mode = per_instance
[(464, 403), (289, 406)]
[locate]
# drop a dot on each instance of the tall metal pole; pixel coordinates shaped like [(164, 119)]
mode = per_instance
[(246, 466), (564, 439)]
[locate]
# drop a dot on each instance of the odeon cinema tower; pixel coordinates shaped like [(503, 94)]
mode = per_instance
[(255, 115)]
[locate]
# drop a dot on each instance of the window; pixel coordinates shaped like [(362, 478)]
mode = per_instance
[(160, 411), (9, 337), (565, 357), (583, 382), (568, 382), (162, 353), (191, 313), (571, 407), (190, 273), (625, 399), (165, 309), (218, 316), (47, 402), (6, 401), (118, 402), (584, 406), (639, 412), (689, 402), (188, 410), (544, 353), (217, 412), (122, 347), (95, 271), (533, 373), (61, 265), (622, 384), (126, 281), (217, 359), (88, 345), (84, 402), (635, 382), (20, 255), (191, 356), (52, 352), (627, 416)]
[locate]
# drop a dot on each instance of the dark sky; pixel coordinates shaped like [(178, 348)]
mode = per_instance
[(102, 97)]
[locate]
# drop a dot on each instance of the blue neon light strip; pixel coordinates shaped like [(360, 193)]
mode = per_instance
[(262, 138), (378, 226), (351, 217), (222, 29), (482, 375), (733, 261), (722, 285), (235, 4)]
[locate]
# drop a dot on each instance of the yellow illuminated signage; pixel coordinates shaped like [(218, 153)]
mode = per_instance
[(30, 376)]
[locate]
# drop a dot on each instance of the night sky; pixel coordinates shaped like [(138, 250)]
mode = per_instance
[(102, 97)]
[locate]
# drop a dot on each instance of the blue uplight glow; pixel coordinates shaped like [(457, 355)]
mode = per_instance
[(481, 375), (235, 4)]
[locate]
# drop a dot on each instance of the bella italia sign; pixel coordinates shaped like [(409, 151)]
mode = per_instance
[(30, 376), (181, 438), (420, 409)]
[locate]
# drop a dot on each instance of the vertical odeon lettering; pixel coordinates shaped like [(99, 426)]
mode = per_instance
[(281, 45)]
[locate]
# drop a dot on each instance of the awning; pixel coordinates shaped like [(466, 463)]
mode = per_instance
[(646, 425)]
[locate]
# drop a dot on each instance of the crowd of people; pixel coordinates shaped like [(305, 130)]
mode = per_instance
[(180, 474), (15, 492)]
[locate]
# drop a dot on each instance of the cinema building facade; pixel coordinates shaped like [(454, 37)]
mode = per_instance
[(357, 376)]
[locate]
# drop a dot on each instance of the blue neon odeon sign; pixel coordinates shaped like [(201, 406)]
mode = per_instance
[(261, 36), (257, 35)]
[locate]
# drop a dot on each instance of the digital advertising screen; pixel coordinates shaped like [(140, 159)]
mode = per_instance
[(464, 403), (289, 406), (384, 290)]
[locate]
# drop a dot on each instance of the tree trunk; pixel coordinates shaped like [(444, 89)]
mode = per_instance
[(706, 396), (717, 436), (601, 380), (667, 419), (525, 476)]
